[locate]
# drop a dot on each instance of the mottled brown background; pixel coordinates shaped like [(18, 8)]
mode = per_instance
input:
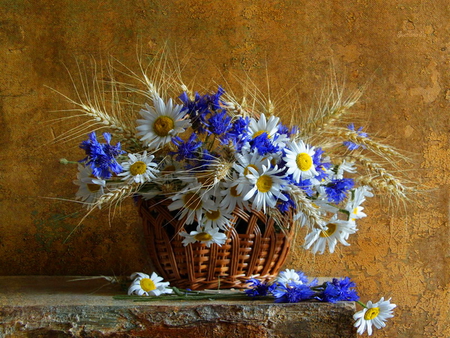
[(403, 47)]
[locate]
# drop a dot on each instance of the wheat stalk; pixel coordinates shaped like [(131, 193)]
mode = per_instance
[(305, 206), (116, 195), (378, 148)]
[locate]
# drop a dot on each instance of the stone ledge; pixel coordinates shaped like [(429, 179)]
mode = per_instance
[(54, 307)]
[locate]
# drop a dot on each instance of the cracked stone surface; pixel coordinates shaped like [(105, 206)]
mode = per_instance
[(42, 306)]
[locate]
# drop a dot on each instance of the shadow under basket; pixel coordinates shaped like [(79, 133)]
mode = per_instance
[(255, 248)]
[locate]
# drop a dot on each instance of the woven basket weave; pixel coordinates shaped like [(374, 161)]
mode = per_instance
[(254, 248)]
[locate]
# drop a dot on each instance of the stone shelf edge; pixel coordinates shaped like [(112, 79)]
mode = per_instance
[(59, 306)]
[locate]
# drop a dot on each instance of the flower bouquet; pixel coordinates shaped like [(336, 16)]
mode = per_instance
[(222, 184)]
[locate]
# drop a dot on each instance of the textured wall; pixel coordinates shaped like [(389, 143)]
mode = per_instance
[(403, 47)]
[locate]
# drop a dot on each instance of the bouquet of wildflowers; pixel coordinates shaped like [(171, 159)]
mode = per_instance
[(210, 153)]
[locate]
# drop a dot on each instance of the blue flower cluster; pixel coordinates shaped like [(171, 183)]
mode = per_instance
[(337, 189), (209, 117), (101, 157), (294, 291), (338, 290)]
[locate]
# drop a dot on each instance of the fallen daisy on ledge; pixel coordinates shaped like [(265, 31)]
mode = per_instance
[(290, 286)]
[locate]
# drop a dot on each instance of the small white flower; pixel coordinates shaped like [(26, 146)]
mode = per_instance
[(161, 122), (231, 198), (90, 187), (336, 231), (145, 285), (261, 126), (299, 160), (354, 207), (375, 314), (139, 168), (205, 236), (345, 167), (247, 160), (265, 188), (217, 218), (289, 276), (194, 202)]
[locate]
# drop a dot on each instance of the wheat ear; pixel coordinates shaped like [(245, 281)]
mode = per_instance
[(379, 178), (378, 148), (116, 195), (305, 206)]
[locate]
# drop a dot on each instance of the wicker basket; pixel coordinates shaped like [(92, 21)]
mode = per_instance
[(254, 248)]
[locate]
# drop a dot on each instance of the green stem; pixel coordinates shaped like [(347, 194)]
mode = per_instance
[(362, 304), (66, 161)]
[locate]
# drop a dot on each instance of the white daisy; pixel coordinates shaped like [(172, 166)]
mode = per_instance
[(90, 187), (194, 202), (261, 126), (161, 122), (375, 314), (231, 198), (266, 188), (217, 218), (139, 168), (205, 236), (336, 231), (354, 207), (299, 160), (348, 167), (288, 276), (145, 285), (247, 160)]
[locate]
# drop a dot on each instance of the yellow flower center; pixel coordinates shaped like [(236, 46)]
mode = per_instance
[(234, 192), (213, 215), (138, 168), (192, 201), (372, 313), (163, 125), (304, 161), (92, 187), (331, 229), (147, 284), (264, 183), (260, 132), (203, 237), (247, 171)]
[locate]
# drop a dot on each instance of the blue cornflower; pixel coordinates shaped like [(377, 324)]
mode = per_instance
[(258, 288), (321, 167), (337, 189), (101, 157), (186, 150), (238, 133), (263, 144), (339, 290), (351, 145), (292, 292), (219, 124), (284, 206), (201, 107), (282, 129), (305, 185)]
